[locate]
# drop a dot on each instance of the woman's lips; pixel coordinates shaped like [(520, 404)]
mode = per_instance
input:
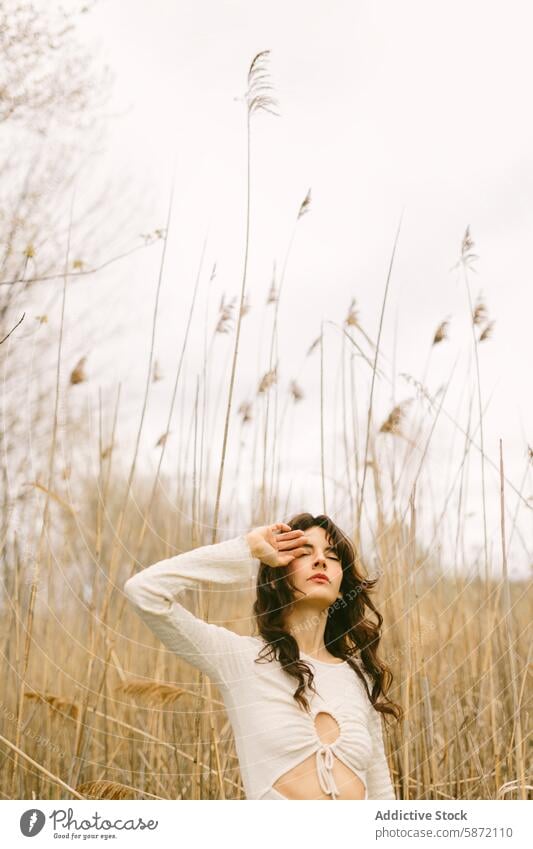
[(320, 579)]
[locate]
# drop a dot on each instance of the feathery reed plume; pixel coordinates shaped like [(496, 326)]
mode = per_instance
[(77, 374), (480, 312), (57, 703), (466, 259), (272, 295), (160, 233), (245, 412), (352, 319), (395, 418), (392, 423), (306, 204), (441, 332), (103, 789), (162, 439), (258, 96), (486, 333), (246, 306), (268, 380), (295, 391), (225, 316), (153, 692), (467, 242)]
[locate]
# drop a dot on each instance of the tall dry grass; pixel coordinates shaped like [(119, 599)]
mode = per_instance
[(93, 707)]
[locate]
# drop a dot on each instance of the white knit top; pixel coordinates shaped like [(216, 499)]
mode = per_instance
[(272, 732)]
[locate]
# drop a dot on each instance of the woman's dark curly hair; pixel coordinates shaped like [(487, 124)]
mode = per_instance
[(347, 631)]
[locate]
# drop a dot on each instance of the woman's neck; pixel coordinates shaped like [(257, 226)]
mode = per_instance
[(308, 629)]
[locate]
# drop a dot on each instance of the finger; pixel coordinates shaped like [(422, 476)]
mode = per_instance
[(285, 559), (281, 526), (291, 543), (301, 540), (291, 535)]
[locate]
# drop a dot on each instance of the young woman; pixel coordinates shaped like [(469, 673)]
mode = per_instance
[(322, 740)]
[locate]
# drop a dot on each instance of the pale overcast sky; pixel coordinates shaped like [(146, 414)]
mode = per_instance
[(385, 108)]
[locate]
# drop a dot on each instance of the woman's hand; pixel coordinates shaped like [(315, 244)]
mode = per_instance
[(276, 545)]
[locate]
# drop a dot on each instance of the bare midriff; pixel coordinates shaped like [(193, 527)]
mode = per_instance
[(303, 781)]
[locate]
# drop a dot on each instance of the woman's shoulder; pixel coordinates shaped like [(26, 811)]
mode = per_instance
[(247, 647), (242, 651)]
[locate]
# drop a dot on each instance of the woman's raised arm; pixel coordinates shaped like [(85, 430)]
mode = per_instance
[(154, 593)]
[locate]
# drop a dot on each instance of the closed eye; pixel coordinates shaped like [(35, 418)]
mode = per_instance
[(332, 555)]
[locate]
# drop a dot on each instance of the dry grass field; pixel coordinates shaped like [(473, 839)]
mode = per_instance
[(91, 706)]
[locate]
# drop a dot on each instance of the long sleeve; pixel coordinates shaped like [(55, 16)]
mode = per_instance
[(379, 781), (154, 592)]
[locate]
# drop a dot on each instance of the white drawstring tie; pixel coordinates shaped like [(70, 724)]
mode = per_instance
[(324, 766)]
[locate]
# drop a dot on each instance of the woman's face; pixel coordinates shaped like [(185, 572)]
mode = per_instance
[(320, 559)]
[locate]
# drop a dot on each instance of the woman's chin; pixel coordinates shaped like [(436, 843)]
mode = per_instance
[(315, 589)]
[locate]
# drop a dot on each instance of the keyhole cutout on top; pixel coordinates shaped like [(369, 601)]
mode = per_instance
[(301, 781), (327, 727)]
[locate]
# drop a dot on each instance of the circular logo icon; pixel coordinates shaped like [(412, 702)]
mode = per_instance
[(31, 822)]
